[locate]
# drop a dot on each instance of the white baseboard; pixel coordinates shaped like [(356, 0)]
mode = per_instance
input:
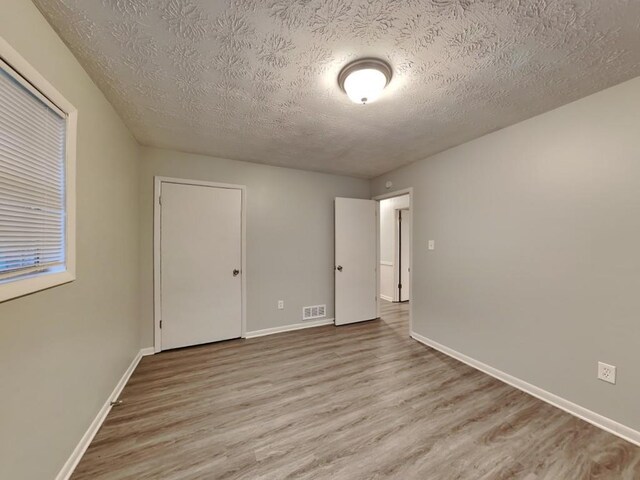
[(288, 328), (593, 418), (388, 299), (147, 351), (72, 462)]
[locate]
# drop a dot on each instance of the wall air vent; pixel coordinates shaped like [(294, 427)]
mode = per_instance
[(315, 311)]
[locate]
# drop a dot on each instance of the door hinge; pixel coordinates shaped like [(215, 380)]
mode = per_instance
[(160, 323), (399, 285), (160, 199)]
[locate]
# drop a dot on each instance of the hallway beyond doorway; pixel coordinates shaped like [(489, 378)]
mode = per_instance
[(396, 316)]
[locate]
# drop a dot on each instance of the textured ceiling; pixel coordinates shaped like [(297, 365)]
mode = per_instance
[(256, 80)]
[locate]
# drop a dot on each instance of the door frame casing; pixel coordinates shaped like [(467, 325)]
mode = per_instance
[(397, 274), (157, 274), (384, 196)]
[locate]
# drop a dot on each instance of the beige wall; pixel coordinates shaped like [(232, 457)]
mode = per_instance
[(289, 232), (536, 269), (63, 350)]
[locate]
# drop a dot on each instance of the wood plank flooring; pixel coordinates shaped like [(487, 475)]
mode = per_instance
[(355, 402)]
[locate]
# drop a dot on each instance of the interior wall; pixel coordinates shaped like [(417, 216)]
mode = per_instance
[(63, 350), (388, 236), (536, 267), (290, 240)]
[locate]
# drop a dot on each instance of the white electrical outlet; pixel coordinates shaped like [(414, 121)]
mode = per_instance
[(280, 304), (431, 245), (606, 372)]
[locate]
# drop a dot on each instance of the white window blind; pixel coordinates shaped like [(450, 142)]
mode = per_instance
[(32, 180)]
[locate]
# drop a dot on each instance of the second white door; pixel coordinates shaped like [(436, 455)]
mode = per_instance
[(200, 264), (356, 258), (404, 254)]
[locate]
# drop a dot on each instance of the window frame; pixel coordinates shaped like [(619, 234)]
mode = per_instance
[(29, 77)]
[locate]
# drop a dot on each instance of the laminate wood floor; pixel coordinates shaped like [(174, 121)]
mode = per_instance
[(355, 402)]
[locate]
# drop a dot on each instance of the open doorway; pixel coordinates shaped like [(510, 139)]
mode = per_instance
[(394, 259), (395, 256)]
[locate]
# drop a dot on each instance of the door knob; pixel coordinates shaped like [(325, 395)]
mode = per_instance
[(339, 268), (236, 272)]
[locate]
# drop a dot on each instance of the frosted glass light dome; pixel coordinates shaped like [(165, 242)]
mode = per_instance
[(364, 80)]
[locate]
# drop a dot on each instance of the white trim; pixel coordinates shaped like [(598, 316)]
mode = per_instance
[(157, 304), (35, 81), (385, 297), (386, 263), (157, 343), (147, 351), (397, 193), (593, 418), (289, 328), (72, 462)]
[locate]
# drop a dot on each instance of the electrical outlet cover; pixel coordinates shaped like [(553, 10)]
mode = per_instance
[(606, 372)]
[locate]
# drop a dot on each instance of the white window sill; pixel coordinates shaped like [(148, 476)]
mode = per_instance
[(14, 288)]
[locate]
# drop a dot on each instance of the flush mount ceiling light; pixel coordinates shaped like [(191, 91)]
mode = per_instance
[(364, 80)]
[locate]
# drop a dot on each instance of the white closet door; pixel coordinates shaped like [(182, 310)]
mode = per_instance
[(201, 248)]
